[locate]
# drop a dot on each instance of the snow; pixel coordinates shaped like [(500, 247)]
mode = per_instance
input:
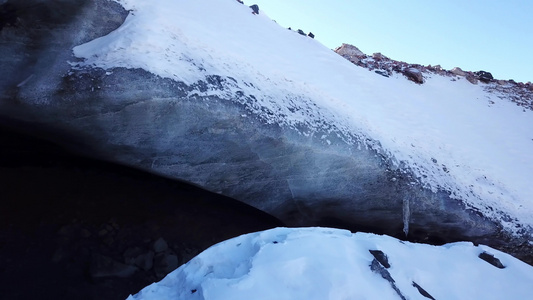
[(453, 135), (324, 263)]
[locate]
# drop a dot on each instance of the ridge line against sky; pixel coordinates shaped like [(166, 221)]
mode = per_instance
[(491, 35)]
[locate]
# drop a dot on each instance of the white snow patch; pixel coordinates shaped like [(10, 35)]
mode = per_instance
[(323, 263)]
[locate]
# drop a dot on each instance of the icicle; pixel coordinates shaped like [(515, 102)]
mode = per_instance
[(406, 214)]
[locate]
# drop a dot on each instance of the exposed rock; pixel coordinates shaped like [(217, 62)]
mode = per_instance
[(422, 291), (160, 245), (414, 75), (348, 51), (471, 78), (484, 77), (382, 73), (255, 8), (311, 35), (501, 82), (378, 56), (376, 267), (301, 32), (381, 257), (491, 260), (520, 93), (457, 71)]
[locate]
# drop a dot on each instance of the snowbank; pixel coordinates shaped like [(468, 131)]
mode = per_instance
[(322, 263)]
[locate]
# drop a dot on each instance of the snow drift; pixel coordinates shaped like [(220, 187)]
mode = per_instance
[(322, 263)]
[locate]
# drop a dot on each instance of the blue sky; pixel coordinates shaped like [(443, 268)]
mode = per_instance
[(490, 35)]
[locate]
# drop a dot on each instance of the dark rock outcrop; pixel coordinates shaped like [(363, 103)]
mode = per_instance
[(255, 8), (376, 267), (491, 260), (484, 76), (422, 291), (458, 71), (381, 258), (414, 75), (518, 92)]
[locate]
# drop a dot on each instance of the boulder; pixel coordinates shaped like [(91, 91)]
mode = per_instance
[(473, 79), (378, 56), (484, 76), (414, 75), (457, 71), (255, 8), (348, 51), (160, 245), (501, 82)]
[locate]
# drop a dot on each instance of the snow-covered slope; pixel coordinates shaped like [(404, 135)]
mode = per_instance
[(454, 136), (322, 263)]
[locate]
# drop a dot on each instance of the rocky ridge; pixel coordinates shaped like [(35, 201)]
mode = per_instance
[(518, 92)]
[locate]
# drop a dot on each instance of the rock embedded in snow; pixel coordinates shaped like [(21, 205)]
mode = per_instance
[(255, 8), (160, 245), (484, 76), (349, 51), (323, 263), (414, 75), (472, 79), (491, 260)]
